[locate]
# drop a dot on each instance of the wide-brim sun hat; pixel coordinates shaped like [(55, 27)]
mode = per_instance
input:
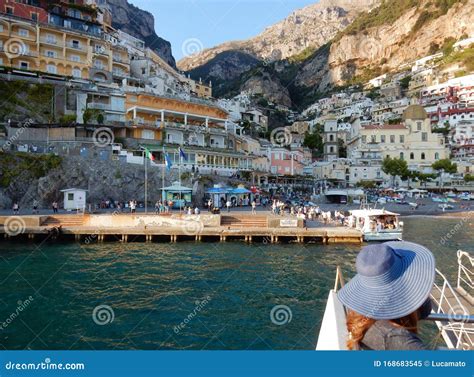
[(393, 280)]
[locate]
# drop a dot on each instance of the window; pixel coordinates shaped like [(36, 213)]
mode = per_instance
[(50, 38), (331, 149), (24, 65), (424, 136), (402, 156), (1, 27), (412, 156), (402, 139), (382, 138), (364, 139), (331, 137), (51, 68), (76, 72), (70, 197), (392, 138), (23, 32), (373, 139), (1, 61), (51, 54), (423, 156), (34, 16), (75, 44), (436, 156), (9, 10), (76, 58), (418, 126)]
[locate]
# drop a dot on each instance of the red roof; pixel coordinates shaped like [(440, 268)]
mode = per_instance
[(385, 127)]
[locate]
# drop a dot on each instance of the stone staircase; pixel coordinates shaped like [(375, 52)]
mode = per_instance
[(65, 221), (250, 221)]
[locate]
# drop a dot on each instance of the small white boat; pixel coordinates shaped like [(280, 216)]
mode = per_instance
[(445, 206), (377, 224)]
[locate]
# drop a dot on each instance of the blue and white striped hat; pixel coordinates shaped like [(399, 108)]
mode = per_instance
[(393, 280)]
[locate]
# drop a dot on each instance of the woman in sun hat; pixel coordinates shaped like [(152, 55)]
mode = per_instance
[(388, 296)]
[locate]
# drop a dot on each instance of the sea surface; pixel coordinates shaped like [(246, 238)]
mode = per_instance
[(186, 295)]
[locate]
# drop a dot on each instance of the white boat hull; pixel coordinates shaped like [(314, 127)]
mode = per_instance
[(384, 236)]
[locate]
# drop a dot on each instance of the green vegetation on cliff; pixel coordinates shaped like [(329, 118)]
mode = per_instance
[(24, 165), (22, 100)]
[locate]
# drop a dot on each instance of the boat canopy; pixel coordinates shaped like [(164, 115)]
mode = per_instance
[(372, 212)]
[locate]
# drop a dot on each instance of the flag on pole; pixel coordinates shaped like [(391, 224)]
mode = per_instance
[(149, 154), (168, 162), (182, 154)]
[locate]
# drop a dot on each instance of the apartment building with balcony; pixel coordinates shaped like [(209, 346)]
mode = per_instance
[(45, 47), (412, 140)]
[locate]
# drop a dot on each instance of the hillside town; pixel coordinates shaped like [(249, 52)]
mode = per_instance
[(113, 92)]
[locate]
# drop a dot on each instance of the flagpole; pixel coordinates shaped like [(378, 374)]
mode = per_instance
[(146, 184), (179, 172), (163, 178)]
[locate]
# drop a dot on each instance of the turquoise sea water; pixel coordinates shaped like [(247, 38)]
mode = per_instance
[(185, 295)]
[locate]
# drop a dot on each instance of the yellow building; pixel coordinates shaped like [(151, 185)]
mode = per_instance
[(55, 50), (175, 116), (412, 141)]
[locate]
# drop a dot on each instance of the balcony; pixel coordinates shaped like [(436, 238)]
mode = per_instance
[(98, 106), (76, 47), (51, 42)]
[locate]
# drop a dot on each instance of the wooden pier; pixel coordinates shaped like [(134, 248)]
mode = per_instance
[(175, 228)]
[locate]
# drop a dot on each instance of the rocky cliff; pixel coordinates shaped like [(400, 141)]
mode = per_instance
[(140, 24), (397, 32), (306, 28)]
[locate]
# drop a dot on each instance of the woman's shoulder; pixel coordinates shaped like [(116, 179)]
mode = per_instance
[(387, 336)]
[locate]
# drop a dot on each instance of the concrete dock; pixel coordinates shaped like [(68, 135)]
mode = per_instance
[(120, 227)]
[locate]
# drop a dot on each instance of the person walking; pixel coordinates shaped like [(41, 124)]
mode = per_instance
[(228, 204), (254, 207), (35, 207), (157, 207), (55, 207), (16, 208)]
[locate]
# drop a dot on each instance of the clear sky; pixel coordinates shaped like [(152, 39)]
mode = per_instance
[(194, 24)]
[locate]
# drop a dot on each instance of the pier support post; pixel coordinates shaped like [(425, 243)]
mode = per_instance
[(124, 238), (100, 238), (31, 236), (250, 239), (325, 240), (223, 238), (198, 238), (276, 239), (77, 237)]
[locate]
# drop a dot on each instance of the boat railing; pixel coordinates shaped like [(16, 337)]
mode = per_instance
[(465, 274), (339, 283), (454, 319)]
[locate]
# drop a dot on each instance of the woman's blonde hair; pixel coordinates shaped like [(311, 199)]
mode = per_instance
[(358, 325)]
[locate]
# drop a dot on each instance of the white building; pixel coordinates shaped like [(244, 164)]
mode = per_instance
[(74, 199)]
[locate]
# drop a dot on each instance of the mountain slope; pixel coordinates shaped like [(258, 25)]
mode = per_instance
[(140, 24), (377, 42), (306, 28)]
